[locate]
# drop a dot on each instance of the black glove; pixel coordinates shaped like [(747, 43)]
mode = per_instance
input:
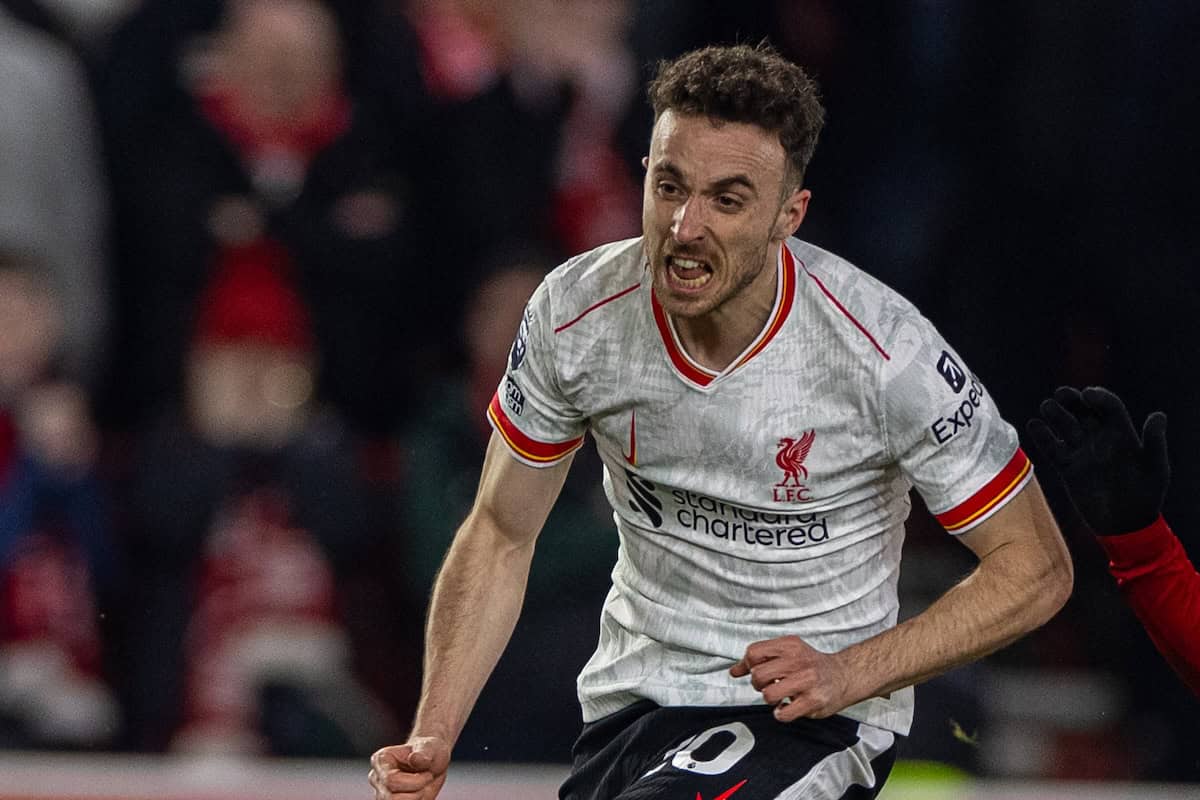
[(1116, 478)]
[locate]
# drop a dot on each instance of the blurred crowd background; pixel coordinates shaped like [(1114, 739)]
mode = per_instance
[(261, 262)]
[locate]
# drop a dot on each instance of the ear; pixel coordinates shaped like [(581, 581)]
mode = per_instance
[(791, 214), (645, 162)]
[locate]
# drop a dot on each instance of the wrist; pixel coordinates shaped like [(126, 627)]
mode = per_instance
[(859, 681), (1143, 546), (429, 728), (1131, 527)]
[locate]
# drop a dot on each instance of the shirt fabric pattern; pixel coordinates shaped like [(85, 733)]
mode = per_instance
[(763, 500)]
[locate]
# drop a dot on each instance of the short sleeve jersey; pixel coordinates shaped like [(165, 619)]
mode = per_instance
[(764, 500)]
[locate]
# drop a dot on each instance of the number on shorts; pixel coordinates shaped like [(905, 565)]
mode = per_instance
[(683, 757)]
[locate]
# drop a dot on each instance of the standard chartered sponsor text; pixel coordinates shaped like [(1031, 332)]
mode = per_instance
[(746, 525)]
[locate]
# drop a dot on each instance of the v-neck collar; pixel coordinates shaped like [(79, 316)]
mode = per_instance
[(695, 373)]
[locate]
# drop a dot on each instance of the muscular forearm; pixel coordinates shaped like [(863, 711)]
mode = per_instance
[(1023, 578), (476, 602), (994, 606)]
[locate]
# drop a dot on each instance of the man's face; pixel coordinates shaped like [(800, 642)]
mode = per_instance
[(714, 202), (281, 57)]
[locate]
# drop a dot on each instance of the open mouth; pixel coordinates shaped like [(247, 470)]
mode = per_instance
[(688, 273)]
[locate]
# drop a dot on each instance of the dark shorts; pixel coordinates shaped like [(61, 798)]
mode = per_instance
[(726, 753)]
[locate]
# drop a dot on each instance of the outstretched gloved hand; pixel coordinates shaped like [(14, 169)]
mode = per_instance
[(1116, 477)]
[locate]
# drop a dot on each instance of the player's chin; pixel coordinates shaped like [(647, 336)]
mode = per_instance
[(685, 302), (687, 307)]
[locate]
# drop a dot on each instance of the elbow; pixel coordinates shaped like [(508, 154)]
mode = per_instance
[(1054, 588)]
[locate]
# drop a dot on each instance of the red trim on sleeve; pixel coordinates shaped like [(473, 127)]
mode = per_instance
[(524, 446), (993, 494)]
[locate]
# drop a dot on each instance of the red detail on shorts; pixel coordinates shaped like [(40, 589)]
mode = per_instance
[(725, 795), (594, 306)]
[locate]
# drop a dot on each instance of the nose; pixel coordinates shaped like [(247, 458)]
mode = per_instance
[(687, 224)]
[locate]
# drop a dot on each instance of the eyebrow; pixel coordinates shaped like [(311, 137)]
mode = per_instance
[(735, 180), (720, 185)]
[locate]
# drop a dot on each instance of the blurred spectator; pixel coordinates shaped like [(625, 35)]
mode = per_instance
[(56, 556), (52, 195), (532, 94), (443, 450), (81, 24), (250, 519), (255, 137)]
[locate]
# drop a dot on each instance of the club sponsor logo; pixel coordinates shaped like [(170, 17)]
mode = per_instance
[(954, 375), (643, 498), (684, 511), (750, 526), (514, 398), (946, 427)]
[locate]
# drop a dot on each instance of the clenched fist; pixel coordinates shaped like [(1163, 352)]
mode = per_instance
[(414, 770), (795, 678)]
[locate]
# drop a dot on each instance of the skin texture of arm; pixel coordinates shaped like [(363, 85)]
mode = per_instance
[(1023, 578), (1163, 588), (476, 602)]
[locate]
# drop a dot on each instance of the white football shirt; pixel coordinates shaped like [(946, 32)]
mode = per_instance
[(764, 500)]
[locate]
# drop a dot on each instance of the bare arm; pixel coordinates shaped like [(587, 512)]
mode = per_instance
[(1023, 578), (476, 601), (478, 594)]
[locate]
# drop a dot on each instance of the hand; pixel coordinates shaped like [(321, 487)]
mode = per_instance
[(1116, 478), (798, 680), (414, 770)]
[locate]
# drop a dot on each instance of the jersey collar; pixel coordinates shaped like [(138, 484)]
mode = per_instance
[(700, 375)]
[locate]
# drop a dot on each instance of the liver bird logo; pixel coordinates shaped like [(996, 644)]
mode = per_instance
[(791, 455)]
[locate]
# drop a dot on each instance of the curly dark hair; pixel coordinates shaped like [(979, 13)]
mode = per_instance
[(741, 83)]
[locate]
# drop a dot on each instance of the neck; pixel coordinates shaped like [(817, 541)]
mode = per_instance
[(717, 338)]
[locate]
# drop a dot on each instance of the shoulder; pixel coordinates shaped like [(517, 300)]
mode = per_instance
[(852, 298), (591, 281)]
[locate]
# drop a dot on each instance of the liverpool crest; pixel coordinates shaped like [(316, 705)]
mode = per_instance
[(790, 459)]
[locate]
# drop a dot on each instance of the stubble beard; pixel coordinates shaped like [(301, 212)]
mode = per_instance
[(754, 265)]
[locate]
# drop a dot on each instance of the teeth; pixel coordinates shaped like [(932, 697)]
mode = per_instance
[(679, 265)]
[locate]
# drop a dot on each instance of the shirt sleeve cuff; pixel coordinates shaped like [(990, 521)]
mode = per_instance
[(531, 451), (990, 498)]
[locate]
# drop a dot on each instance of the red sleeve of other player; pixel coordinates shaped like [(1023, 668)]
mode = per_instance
[(1163, 588)]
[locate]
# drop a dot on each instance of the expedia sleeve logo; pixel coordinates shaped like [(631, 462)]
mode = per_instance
[(516, 356), (949, 369), (961, 418)]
